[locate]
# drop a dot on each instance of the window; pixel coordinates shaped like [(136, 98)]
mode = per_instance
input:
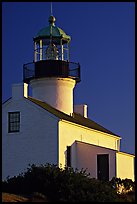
[(14, 121), (69, 156)]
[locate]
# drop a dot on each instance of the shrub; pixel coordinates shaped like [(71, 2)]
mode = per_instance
[(123, 185), (58, 184)]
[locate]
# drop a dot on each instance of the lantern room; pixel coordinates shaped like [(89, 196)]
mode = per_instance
[(51, 55), (51, 43)]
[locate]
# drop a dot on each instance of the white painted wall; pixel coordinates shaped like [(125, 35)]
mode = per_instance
[(69, 132), (86, 155), (35, 143), (58, 92), (125, 165)]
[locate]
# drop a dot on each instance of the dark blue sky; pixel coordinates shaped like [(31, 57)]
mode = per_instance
[(103, 42)]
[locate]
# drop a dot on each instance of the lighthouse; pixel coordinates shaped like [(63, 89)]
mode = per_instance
[(51, 76), (47, 127)]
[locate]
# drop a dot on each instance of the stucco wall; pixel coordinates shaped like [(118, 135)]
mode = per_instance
[(68, 133), (125, 165), (86, 155), (35, 143)]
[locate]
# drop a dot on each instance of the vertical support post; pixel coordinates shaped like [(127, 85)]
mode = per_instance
[(62, 54), (35, 52), (40, 49), (68, 44)]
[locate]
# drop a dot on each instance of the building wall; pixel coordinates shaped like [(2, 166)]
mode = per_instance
[(125, 166), (36, 143), (86, 155), (69, 132)]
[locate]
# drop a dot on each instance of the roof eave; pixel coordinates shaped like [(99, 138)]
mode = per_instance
[(89, 128)]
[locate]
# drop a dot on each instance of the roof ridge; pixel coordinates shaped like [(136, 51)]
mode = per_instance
[(45, 103), (94, 122), (75, 118)]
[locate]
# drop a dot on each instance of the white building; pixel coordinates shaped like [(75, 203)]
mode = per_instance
[(48, 127)]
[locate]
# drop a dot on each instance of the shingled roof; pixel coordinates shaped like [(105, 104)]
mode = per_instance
[(75, 118)]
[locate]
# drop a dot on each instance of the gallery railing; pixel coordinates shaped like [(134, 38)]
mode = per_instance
[(51, 68)]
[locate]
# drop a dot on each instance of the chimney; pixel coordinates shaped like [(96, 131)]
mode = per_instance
[(19, 90), (81, 109)]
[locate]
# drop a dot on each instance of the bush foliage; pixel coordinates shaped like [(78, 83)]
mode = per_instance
[(64, 185)]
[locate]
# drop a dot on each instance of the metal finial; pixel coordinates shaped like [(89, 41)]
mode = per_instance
[(51, 18), (51, 8)]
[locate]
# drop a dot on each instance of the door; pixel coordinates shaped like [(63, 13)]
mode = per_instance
[(103, 167), (68, 156)]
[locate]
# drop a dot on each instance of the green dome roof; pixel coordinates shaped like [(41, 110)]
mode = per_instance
[(56, 32), (53, 30)]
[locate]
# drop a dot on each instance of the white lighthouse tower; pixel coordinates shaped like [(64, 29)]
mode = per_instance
[(52, 76)]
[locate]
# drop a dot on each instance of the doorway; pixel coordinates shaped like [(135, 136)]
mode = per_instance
[(103, 167)]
